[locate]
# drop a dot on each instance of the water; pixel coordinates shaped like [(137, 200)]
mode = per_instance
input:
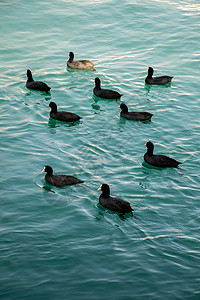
[(58, 243)]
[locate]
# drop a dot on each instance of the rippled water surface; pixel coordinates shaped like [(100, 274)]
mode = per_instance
[(58, 243)]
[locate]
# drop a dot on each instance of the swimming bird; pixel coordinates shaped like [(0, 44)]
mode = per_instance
[(114, 204), (79, 64), (134, 115), (157, 80), (36, 85), (104, 93), (162, 161), (62, 115), (59, 180)]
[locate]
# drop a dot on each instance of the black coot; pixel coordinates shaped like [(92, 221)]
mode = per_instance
[(134, 115), (159, 160), (62, 115), (36, 85), (104, 93), (114, 204), (59, 180), (157, 80)]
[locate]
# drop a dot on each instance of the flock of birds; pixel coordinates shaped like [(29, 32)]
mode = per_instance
[(59, 180)]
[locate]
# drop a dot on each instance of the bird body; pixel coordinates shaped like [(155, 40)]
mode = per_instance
[(36, 85), (133, 115), (114, 204), (157, 80), (62, 115), (104, 93), (78, 64), (159, 160), (59, 180)]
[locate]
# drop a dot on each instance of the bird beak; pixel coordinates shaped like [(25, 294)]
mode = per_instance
[(43, 170), (99, 188), (48, 105)]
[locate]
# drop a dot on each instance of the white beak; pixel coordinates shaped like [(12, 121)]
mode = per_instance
[(43, 170), (99, 188)]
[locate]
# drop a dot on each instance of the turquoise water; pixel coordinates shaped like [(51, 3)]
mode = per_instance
[(57, 243)]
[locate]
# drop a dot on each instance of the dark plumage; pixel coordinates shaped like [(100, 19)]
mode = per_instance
[(159, 160), (59, 180), (79, 64), (157, 80), (36, 85), (133, 115), (62, 115), (114, 204), (103, 93)]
